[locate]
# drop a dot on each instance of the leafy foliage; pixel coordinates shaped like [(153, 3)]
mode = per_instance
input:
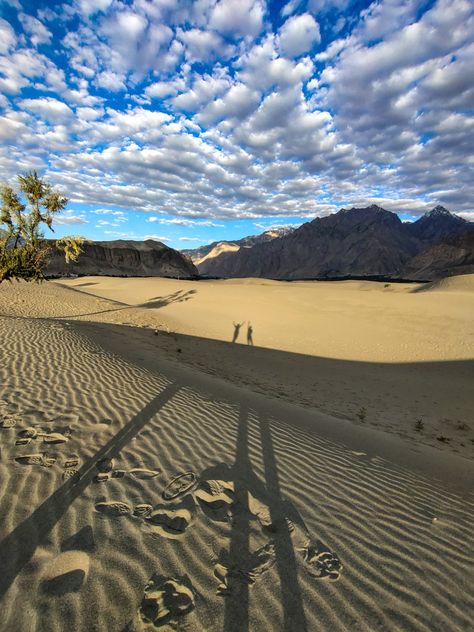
[(71, 246), (23, 248)]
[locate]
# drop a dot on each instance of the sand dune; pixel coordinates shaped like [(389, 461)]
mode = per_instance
[(347, 320), (461, 283), (343, 347), (290, 520)]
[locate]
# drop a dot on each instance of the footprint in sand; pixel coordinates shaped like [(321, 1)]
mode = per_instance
[(9, 421), (179, 485), (169, 522), (321, 562), (106, 473), (29, 433), (71, 462), (165, 602), (113, 508), (23, 441), (216, 498), (246, 571), (54, 438), (262, 513), (71, 465), (36, 459), (143, 510), (143, 473), (103, 477)]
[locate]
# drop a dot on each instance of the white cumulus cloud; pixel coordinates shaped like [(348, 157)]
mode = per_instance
[(298, 35)]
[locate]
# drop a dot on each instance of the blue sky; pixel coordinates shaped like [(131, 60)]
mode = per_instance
[(214, 119)]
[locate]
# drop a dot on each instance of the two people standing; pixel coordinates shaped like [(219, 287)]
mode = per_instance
[(237, 327)]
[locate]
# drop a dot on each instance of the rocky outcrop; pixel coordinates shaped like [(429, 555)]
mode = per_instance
[(356, 242), (445, 258), (123, 258)]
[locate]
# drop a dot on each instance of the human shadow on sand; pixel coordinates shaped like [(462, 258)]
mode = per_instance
[(249, 489)]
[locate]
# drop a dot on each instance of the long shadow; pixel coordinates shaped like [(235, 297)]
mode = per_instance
[(291, 599), (155, 303), (236, 614), (17, 548), (161, 301)]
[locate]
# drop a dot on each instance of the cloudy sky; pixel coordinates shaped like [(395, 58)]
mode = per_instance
[(195, 120)]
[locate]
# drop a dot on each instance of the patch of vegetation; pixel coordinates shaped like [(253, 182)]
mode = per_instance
[(362, 414), (443, 439), (419, 425), (463, 426), (23, 248)]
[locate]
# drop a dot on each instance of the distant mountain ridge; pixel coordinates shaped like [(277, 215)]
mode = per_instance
[(123, 258), (360, 242), (199, 255)]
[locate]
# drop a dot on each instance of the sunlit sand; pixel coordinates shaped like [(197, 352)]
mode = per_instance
[(154, 474)]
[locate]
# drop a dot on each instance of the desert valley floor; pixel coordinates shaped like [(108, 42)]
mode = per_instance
[(156, 475)]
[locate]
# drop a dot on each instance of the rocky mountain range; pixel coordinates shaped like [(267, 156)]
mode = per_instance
[(123, 258), (203, 256), (356, 242)]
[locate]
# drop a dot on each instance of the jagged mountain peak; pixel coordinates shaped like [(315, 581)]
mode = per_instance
[(372, 208), (438, 224), (366, 213), (347, 218), (438, 210), (441, 211)]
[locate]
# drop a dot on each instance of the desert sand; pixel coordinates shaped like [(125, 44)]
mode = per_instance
[(401, 352), (157, 476)]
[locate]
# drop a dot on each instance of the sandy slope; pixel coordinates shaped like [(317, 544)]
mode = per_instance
[(348, 320), (300, 521), (402, 352)]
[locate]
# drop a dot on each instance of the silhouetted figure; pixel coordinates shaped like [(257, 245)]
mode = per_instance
[(237, 327), (249, 334)]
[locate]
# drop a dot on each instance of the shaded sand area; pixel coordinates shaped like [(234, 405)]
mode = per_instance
[(140, 494), (400, 353)]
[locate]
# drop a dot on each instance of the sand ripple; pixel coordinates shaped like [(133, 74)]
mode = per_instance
[(293, 504)]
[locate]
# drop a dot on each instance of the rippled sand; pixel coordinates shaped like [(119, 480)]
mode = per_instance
[(400, 352), (281, 518)]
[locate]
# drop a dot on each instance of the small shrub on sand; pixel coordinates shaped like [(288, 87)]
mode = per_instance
[(23, 248), (362, 414), (419, 425)]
